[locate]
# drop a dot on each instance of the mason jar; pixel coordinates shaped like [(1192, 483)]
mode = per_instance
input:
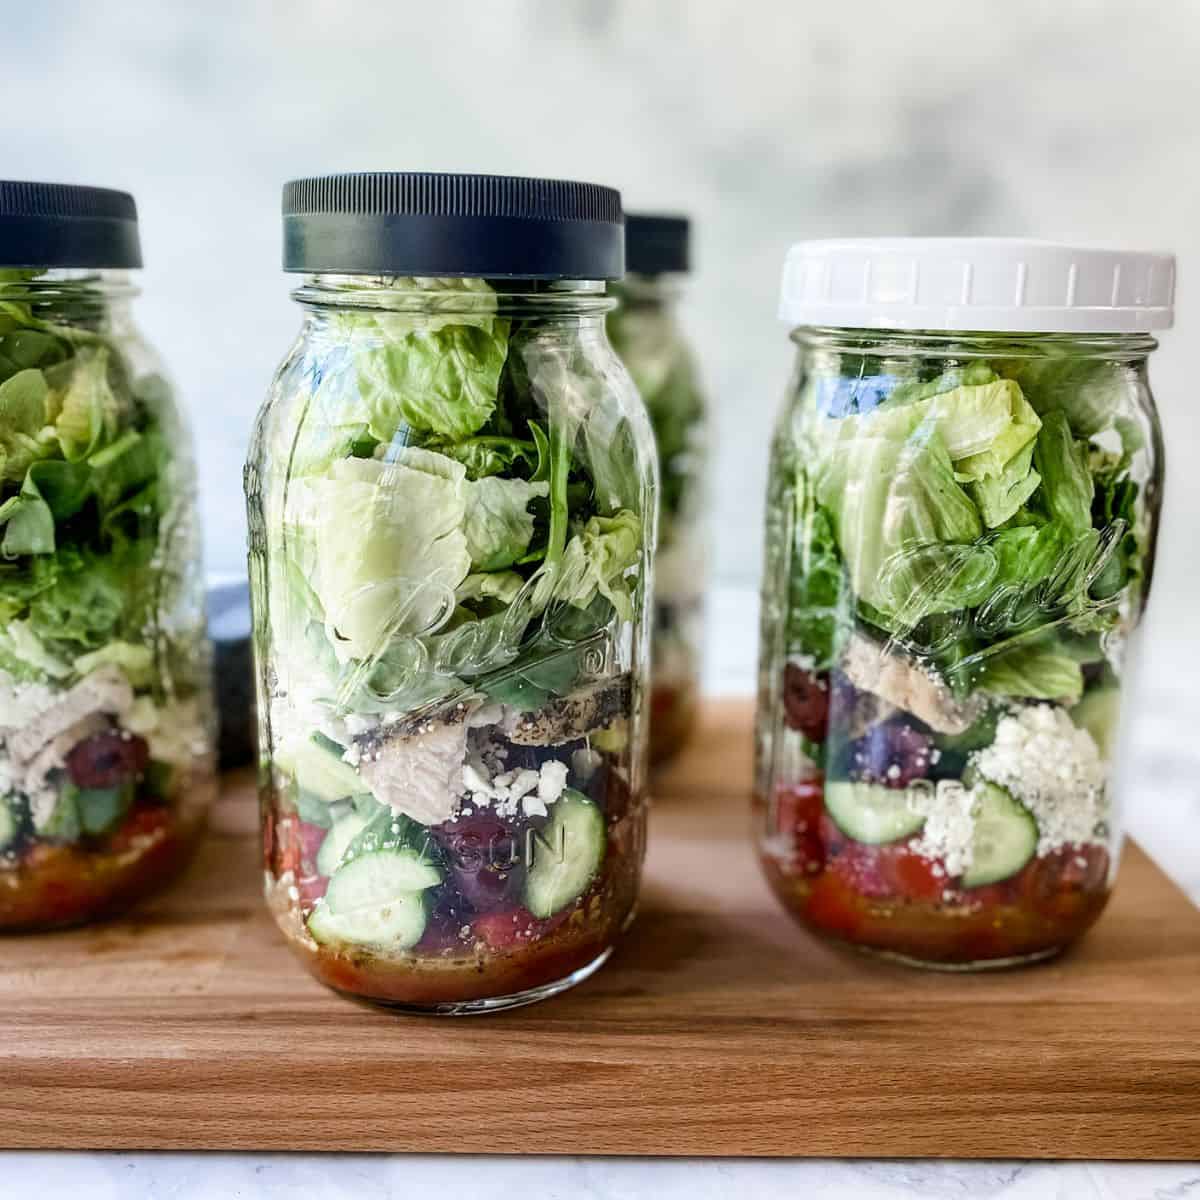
[(646, 332), (451, 493), (106, 765), (961, 518)]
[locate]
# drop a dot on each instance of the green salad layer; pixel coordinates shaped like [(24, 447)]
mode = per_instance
[(985, 517), (84, 454), (461, 505), (645, 334), (103, 670)]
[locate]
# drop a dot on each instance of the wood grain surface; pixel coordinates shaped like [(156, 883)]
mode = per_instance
[(718, 1027)]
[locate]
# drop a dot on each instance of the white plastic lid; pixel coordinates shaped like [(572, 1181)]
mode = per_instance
[(1000, 284)]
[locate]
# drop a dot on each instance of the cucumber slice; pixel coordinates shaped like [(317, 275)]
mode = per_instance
[(61, 823), (566, 855), (317, 765), (1099, 713), (158, 779), (9, 824), (376, 879), (396, 924), (345, 830), (872, 813), (102, 809), (1005, 839)]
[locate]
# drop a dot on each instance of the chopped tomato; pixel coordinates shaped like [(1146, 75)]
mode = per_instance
[(514, 927), (296, 846), (141, 824), (912, 875), (798, 812), (311, 889), (863, 869)]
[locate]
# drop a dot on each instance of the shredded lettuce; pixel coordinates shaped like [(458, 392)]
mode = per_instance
[(441, 507)]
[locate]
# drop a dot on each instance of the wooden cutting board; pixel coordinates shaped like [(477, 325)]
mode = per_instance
[(718, 1027)]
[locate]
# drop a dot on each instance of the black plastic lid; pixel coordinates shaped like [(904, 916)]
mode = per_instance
[(657, 244), (64, 225), (417, 223)]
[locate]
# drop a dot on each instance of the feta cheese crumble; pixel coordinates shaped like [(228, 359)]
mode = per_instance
[(1054, 769), (510, 792), (949, 830)]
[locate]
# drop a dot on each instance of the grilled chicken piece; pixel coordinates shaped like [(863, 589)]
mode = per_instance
[(569, 718), (902, 680), (105, 690), (54, 752), (415, 765)]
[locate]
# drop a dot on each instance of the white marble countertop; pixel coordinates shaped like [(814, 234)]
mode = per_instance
[(398, 1177), (1163, 813)]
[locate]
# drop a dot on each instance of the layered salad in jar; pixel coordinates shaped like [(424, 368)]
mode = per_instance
[(957, 554), (451, 561), (105, 736), (646, 335)]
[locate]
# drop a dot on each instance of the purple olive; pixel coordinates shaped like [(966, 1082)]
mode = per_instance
[(484, 857), (107, 759), (891, 754), (806, 701)]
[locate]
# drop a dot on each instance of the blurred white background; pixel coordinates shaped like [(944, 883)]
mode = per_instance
[(767, 121)]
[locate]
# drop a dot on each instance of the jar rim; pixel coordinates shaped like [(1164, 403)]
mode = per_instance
[(938, 343), (405, 294)]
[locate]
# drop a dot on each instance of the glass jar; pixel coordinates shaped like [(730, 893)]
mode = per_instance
[(451, 494), (105, 694), (645, 331), (960, 539)]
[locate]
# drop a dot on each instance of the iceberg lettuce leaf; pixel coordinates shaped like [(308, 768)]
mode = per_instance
[(889, 498), (1088, 392), (1039, 672), (1000, 497), (498, 523), (487, 455), (593, 562), (389, 545), (501, 586), (985, 427), (90, 411), (1067, 486), (439, 381), (914, 390)]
